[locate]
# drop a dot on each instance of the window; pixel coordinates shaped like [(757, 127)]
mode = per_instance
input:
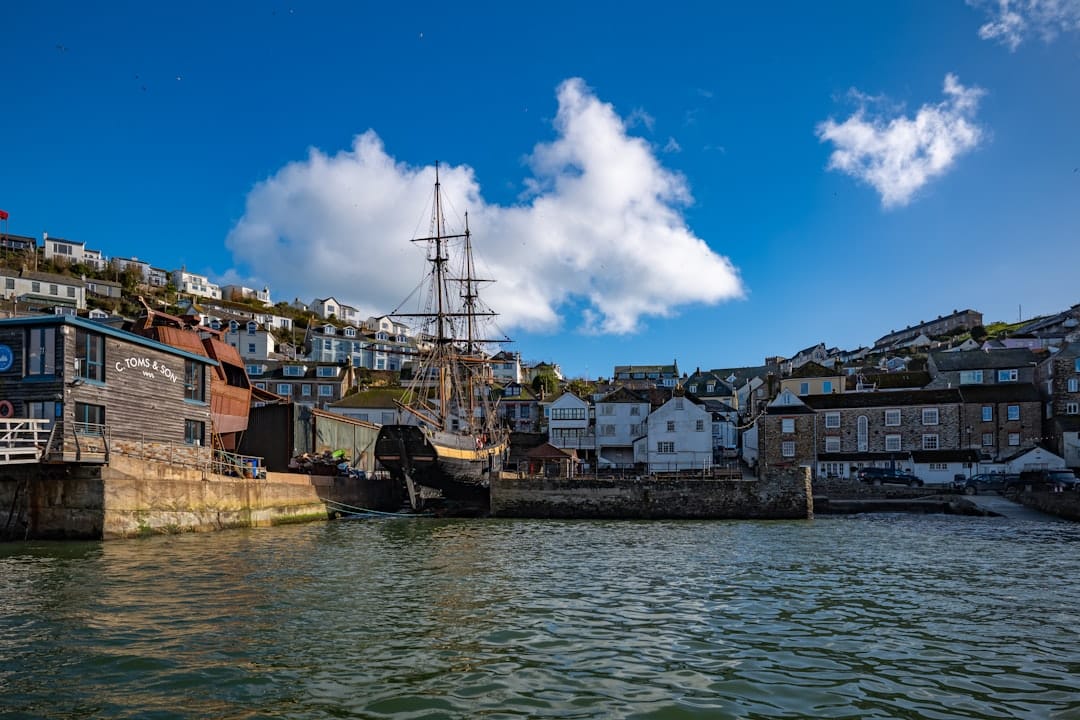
[(987, 413), (41, 351), (832, 444), (1074, 385), (284, 389), (293, 371), (971, 377), (862, 430), (326, 371), (524, 411), (709, 387), (892, 443), (1007, 375), (326, 391), (930, 416), (699, 426), (90, 355), (260, 385), (804, 388), (567, 413), (254, 370), (193, 432), (787, 425), (194, 377), (1014, 412), (234, 326), (1076, 365), (87, 414), (635, 410), (678, 403), (930, 441), (665, 446), (832, 420), (305, 389), (607, 409), (892, 418), (988, 439), (251, 348), (62, 249), (787, 448), (941, 467), (1072, 408), (1014, 438), (826, 387), (45, 411), (35, 286), (71, 292), (607, 430), (693, 388), (53, 290), (9, 283), (671, 426)]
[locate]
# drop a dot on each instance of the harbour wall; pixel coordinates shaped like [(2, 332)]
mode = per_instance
[(132, 497), (783, 495)]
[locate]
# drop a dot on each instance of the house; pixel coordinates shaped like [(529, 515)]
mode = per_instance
[(709, 384), (157, 277), (252, 340), (331, 309), (812, 378), (17, 243), (956, 322), (141, 267), (678, 438), (570, 425), (1059, 384), (956, 369), (531, 373), (551, 461), (236, 293), (1036, 458), (1001, 419), (725, 429), (376, 405), (193, 284), (104, 390), (884, 429), (664, 375), (815, 354), (785, 434), (104, 288), (72, 252), (506, 367), (307, 383), (621, 417), (42, 290), (519, 408)]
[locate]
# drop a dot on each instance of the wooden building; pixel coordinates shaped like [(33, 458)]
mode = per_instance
[(104, 389)]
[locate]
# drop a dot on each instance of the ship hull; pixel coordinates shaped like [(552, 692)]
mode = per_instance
[(449, 463)]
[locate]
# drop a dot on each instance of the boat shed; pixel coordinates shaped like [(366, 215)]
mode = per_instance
[(104, 390)]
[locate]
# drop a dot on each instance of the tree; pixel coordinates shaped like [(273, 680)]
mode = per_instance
[(978, 333), (545, 382)]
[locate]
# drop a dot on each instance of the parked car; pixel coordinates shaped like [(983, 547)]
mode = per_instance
[(984, 483), (1052, 480), (888, 476)]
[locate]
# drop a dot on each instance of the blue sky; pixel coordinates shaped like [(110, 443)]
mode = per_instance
[(703, 182)]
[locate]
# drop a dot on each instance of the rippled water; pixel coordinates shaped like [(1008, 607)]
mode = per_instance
[(860, 617)]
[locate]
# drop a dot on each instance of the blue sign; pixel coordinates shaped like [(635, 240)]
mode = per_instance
[(6, 358)]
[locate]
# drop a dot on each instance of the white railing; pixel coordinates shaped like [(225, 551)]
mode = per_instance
[(23, 440)]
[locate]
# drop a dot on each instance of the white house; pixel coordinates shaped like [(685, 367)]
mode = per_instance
[(72, 251), (621, 418), (569, 426), (679, 438), (506, 367), (327, 307), (42, 289), (250, 339), (1036, 458), (237, 292), (192, 284)]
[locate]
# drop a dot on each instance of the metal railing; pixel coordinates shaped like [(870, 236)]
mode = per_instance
[(23, 440), (91, 438), (236, 465)]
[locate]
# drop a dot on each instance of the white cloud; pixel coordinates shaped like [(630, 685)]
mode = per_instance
[(898, 156), (1013, 20), (672, 146), (601, 229), (638, 116)]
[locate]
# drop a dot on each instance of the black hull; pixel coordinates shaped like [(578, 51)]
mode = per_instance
[(451, 464)]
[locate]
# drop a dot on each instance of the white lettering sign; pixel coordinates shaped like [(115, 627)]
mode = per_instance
[(150, 368)]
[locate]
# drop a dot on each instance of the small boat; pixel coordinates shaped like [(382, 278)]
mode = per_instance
[(447, 445)]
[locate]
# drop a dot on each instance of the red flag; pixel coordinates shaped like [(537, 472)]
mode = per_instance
[(3, 215)]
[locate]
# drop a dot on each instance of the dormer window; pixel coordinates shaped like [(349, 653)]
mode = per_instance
[(381, 336), (350, 332), (252, 327), (293, 371), (234, 326), (254, 370), (329, 330), (215, 325), (326, 371)]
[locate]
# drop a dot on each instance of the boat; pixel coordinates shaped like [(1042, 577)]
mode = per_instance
[(230, 388), (446, 445)]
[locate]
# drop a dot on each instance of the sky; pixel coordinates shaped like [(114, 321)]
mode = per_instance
[(707, 183)]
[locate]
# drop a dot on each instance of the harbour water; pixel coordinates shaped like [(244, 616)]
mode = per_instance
[(876, 616)]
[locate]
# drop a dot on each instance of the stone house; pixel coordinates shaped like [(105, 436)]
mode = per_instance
[(1000, 420), (957, 321), (1059, 383), (978, 367), (785, 435), (306, 383)]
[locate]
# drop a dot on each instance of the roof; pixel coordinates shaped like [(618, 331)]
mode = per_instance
[(1001, 392), (42, 277), (623, 395), (911, 379), (646, 368), (813, 370), (547, 451), (982, 360), (98, 327), (810, 349), (375, 398), (839, 401)]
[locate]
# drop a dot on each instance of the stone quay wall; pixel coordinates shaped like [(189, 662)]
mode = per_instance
[(782, 496), (132, 497), (1065, 505)]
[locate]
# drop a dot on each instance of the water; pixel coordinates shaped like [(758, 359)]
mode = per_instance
[(857, 617)]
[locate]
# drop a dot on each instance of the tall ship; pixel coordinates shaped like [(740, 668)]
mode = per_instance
[(447, 445)]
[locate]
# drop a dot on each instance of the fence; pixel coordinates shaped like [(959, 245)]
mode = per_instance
[(23, 440)]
